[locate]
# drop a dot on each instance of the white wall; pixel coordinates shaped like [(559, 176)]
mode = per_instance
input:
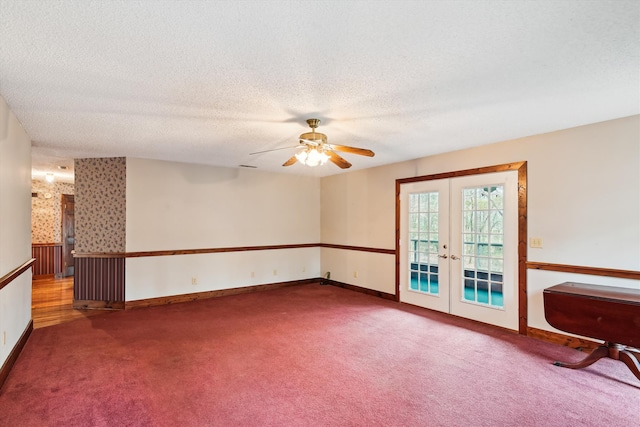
[(174, 205), (15, 228), (368, 270), (583, 201)]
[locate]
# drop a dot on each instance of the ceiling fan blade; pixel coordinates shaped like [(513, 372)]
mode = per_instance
[(277, 149), (337, 160), (309, 142), (353, 150), (291, 161)]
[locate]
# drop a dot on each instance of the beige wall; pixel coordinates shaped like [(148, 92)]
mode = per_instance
[(15, 228), (583, 200), (46, 213), (174, 205), (100, 204)]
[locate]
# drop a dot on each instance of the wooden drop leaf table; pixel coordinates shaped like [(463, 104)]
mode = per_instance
[(607, 313)]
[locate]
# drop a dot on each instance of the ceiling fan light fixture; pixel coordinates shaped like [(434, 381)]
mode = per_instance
[(316, 151), (315, 158), (312, 157), (302, 156)]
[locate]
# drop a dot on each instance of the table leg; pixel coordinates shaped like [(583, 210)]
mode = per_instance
[(597, 354), (608, 349), (630, 360)]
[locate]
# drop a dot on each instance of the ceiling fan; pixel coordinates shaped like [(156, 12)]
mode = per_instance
[(314, 149)]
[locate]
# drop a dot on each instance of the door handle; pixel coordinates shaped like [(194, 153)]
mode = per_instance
[(443, 256), (454, 257)]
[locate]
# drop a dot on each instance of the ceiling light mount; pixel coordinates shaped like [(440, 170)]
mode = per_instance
[(313, 123)]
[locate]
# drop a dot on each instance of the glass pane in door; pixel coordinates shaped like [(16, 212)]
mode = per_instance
[(483, 235), (423, 242)]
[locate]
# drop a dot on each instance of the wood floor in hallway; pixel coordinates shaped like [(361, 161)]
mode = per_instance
[(52, 302)]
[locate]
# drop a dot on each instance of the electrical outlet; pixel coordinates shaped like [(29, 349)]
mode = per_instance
[(535, 242), (304, 269), (194, 280), (355, 274), (4, 337), (275, 272), (253, 274)]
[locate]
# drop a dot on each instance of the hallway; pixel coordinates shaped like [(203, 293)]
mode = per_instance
[(52, 302)]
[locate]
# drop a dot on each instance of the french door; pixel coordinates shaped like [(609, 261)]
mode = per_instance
[(458, 246)]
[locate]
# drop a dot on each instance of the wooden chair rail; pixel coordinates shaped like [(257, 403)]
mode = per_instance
[(9, 277), (592, 271), (140, 254)]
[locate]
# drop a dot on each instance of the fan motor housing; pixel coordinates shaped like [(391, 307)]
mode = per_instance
[(314, 136)]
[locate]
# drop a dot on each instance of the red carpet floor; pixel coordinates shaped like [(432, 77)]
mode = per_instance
[(305, 356)]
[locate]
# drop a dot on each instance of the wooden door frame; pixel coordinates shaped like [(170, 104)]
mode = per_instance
[(63, 200), (521, 167)]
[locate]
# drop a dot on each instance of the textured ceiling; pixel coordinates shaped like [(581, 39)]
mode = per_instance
[(210, 82)]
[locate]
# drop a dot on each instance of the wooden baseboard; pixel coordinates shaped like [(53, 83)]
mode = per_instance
[(362, 290), (175, 299), (43, 276), (13, 356), (566, 340), (97, 305)]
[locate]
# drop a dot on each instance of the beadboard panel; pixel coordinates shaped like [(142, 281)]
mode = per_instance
[(99, 279), (48, 258)]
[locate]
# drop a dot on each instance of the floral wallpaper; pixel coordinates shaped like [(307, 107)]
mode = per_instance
[(46, 213), (100, 204)]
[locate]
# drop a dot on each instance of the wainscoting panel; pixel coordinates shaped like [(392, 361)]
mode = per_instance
[(48, 259), (99, 279)]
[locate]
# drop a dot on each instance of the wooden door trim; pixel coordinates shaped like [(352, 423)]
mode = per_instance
[(521, 168), (65, 198)]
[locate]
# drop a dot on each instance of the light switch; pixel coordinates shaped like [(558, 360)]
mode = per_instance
[(535, 242)]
